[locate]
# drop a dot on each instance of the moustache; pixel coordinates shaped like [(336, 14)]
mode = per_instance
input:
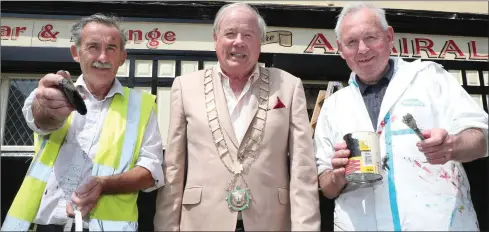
[(98, 64)]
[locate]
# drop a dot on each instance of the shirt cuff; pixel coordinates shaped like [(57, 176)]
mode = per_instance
[(322, 168), (29, 118), (156, 172)]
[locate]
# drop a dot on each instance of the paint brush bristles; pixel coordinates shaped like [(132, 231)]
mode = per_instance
[(411, 123)]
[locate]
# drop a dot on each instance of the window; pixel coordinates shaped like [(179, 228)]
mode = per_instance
[(472, 77), (16, 137), (166, 68), (485, 76), (17, 133), (144, 68), (188, 66), (311, 91), (312, 88)]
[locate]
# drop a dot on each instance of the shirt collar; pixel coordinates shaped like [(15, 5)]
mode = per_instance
[(386, 75), (115, 89), (253, 77)]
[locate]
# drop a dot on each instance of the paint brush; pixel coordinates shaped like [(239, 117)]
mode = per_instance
[(411, 123)]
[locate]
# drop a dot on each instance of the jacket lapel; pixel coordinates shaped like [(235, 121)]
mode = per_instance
[(255, 95), (222, 109), (260, 94)]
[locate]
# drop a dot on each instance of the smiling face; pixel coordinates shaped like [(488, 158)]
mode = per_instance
[(365, 45), (238, 42), (99, 54)]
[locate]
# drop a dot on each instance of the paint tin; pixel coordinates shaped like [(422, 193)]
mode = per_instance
[(364, 162)]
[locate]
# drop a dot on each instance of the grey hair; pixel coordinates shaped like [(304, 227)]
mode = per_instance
[(224, 10), (108, 20), (354, 7)]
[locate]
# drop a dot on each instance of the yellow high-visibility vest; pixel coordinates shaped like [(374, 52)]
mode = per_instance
[(118, 150)]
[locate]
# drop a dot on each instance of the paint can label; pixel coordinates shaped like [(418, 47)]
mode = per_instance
[(364, 163)]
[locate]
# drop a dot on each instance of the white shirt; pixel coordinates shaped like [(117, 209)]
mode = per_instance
[(74, 163), (238, 107)]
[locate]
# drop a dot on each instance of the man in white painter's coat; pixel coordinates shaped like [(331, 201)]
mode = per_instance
[(424, 185)]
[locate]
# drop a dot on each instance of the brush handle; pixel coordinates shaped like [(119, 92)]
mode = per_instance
[(419, 134), (78, 221)]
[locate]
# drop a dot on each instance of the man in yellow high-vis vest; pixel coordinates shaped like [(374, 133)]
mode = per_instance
[(95, 162)]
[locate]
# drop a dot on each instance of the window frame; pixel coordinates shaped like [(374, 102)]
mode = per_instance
[(5, 81)]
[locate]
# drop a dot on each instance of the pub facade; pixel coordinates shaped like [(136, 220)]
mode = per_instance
[(168, 39)]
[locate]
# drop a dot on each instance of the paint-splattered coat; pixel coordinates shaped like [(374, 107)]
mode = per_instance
[(413, 194)]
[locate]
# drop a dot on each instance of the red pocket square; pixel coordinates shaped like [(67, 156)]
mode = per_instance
[(279, 104)]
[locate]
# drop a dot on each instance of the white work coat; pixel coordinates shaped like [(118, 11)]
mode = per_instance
[(413, 194)]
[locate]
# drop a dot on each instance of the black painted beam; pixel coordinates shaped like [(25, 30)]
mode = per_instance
[(405, 21)]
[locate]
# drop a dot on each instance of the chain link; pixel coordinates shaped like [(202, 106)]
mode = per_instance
[(246, 152)]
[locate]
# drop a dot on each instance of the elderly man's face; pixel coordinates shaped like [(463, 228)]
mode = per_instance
[(365, 45), (100, 53), (238, 42)]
